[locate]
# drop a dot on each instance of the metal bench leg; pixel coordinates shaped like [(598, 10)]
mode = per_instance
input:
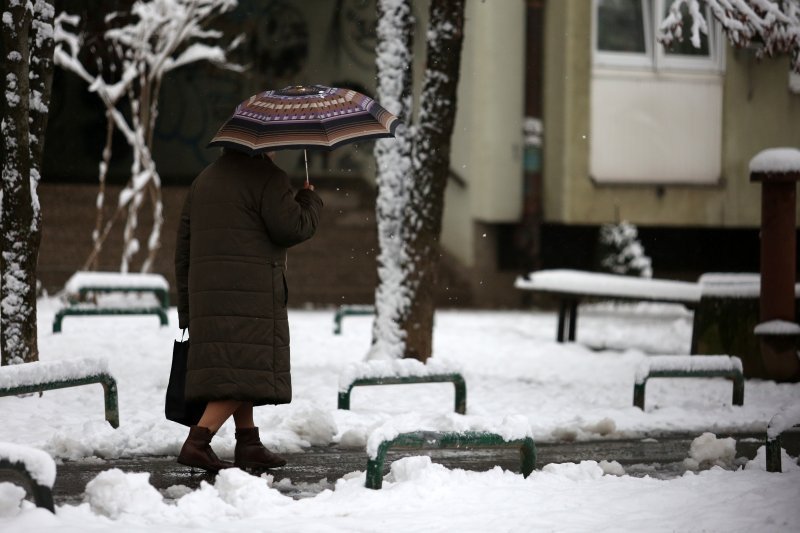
[(162, 317), (461, 395), (111, 401), (774, 455), (561, 329), (337, 322), (57, 322), (738, 390), (375, 467), (42, 495), (638, 395), (573, 318), (527, 457), (344, 399)]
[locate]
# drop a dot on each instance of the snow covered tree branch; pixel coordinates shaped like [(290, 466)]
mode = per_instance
[(157, 36), (27, 68), (771, 26)]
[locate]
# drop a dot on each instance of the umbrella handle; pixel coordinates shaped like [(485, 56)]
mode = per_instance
[(305, 157)]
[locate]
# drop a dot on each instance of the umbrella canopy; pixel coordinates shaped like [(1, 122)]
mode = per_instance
[(304, 116)]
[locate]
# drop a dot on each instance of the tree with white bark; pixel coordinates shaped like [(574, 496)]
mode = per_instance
[(27, 73), (156, 37), (771, 27), (412, 174)]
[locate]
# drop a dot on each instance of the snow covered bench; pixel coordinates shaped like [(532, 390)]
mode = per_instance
[(36, 468), (40, 376), (572, 286), (401, 372), (350, 310), (82, 284), (689, 366), (786, 420), (514, 431)]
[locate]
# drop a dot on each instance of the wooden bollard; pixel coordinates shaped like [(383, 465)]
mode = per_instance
[(778, 171)]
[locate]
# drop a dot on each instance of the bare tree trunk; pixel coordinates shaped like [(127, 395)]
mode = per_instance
[(431, 164), (27, 76), (411, 190), (393, 156)]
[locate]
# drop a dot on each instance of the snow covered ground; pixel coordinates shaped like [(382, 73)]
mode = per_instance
[(512, 366)]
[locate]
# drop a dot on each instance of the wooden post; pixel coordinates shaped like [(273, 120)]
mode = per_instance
[(778, 171)]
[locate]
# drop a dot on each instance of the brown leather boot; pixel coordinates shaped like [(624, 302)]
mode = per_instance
[(251, 454), (196, 451)]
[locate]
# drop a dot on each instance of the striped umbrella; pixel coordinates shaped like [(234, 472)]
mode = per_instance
[(304, 116)]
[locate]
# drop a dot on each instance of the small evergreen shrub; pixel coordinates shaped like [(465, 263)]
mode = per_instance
[(621, 252)]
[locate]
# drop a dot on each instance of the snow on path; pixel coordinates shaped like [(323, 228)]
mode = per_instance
[(510, 361), (513, 367)]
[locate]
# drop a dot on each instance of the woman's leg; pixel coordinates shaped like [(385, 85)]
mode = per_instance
[(217, 412), (250, 453), (243, 416), (196, 451)]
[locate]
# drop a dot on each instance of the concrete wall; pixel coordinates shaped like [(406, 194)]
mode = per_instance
[(487, 141), (758, 112)]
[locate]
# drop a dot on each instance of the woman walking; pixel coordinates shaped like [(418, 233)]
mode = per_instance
[(238, 219)]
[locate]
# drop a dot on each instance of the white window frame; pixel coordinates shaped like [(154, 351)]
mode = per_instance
[(624, 59), (655, 57)]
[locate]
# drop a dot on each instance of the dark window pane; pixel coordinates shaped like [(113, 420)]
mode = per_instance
[(684, 46), (620, 26)]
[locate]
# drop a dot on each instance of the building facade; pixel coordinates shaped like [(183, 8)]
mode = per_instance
[(570, 115)]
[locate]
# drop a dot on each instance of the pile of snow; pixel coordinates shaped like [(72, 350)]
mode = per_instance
[(11, 500), (776, 160), (568, 497), (707, 451)]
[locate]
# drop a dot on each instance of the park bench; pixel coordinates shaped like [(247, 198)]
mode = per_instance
[(785, 421), (571, 287), (401, 372), (27, 378), (689, 366), (382, 440), (350, 310), (35, 468), (89, 285)]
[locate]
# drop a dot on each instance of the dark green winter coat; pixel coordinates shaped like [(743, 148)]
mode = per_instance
[(239, 218)]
